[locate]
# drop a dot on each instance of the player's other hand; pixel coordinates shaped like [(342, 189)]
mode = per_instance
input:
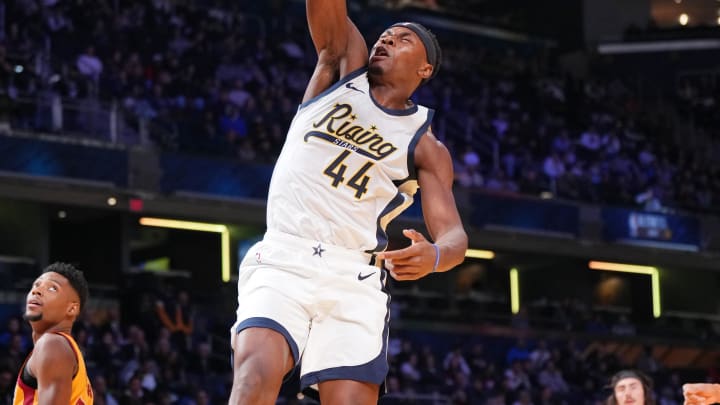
[(413, 262), (701, 394)]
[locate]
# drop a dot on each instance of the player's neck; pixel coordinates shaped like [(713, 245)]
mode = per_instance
[(390, 97), (394, 95), (39, 330)]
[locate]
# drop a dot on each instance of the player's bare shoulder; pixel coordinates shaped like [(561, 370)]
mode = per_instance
[(51, 348), (432, 154)]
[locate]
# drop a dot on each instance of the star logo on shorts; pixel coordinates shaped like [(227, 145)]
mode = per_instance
[(318, 250)]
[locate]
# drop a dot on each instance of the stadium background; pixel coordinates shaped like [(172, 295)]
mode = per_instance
[(137, 140)]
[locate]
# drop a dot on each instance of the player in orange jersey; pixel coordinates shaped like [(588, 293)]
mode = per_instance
[(54, 372)]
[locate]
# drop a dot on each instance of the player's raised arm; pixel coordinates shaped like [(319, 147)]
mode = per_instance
[(340, 47)]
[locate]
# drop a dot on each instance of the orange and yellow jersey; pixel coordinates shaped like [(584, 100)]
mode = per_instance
[(26, 386)]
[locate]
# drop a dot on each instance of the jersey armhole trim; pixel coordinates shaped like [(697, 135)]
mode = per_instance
[(347, 78), (69, 339), (412, 170)]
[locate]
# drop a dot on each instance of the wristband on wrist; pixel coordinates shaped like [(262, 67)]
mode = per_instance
[(437, 257)]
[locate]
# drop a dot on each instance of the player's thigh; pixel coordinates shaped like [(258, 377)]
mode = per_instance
[(263, 351), (348, 392)]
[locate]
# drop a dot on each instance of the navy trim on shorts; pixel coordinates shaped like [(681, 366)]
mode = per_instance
[(375, 371), (260, 322)]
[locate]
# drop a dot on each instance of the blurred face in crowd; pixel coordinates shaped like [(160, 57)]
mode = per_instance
[(629, 391)]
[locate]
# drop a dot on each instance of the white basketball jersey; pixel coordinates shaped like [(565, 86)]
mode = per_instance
[(346, 169)]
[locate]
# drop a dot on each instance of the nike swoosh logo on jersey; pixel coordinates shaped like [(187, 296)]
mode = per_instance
[(361, 277), (350, 86)]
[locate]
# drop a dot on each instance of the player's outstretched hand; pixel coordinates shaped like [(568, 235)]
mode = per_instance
[(413, 262), (701, 394)]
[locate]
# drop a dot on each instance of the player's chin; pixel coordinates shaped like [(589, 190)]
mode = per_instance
[(32, 316), (376, 69)]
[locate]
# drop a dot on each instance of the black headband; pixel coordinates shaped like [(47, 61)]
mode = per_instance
[(432, 47)]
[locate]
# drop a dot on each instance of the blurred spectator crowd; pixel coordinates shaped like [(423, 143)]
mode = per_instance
[(160, 342), (223, 79), (145, 361)]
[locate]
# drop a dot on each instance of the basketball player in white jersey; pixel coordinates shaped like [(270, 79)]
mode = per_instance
[(311, 292)]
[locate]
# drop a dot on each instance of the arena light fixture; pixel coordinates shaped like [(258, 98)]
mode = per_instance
[(480, 254), (201, 227), (514, 291), (622, 267), (683, 19), (632, 268)]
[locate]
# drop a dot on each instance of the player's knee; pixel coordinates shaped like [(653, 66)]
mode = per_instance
[(254, 373), (250, 367), (252, 381), (247, 379), (348, 393), (248, 389), (262, 350), (353, 401)]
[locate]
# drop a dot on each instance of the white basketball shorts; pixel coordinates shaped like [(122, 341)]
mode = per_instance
[(329, 302)]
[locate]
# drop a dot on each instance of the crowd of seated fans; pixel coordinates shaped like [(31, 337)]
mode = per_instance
[(568, 315), (138, 360), (516, 372), (161, 342), (218, 80)]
